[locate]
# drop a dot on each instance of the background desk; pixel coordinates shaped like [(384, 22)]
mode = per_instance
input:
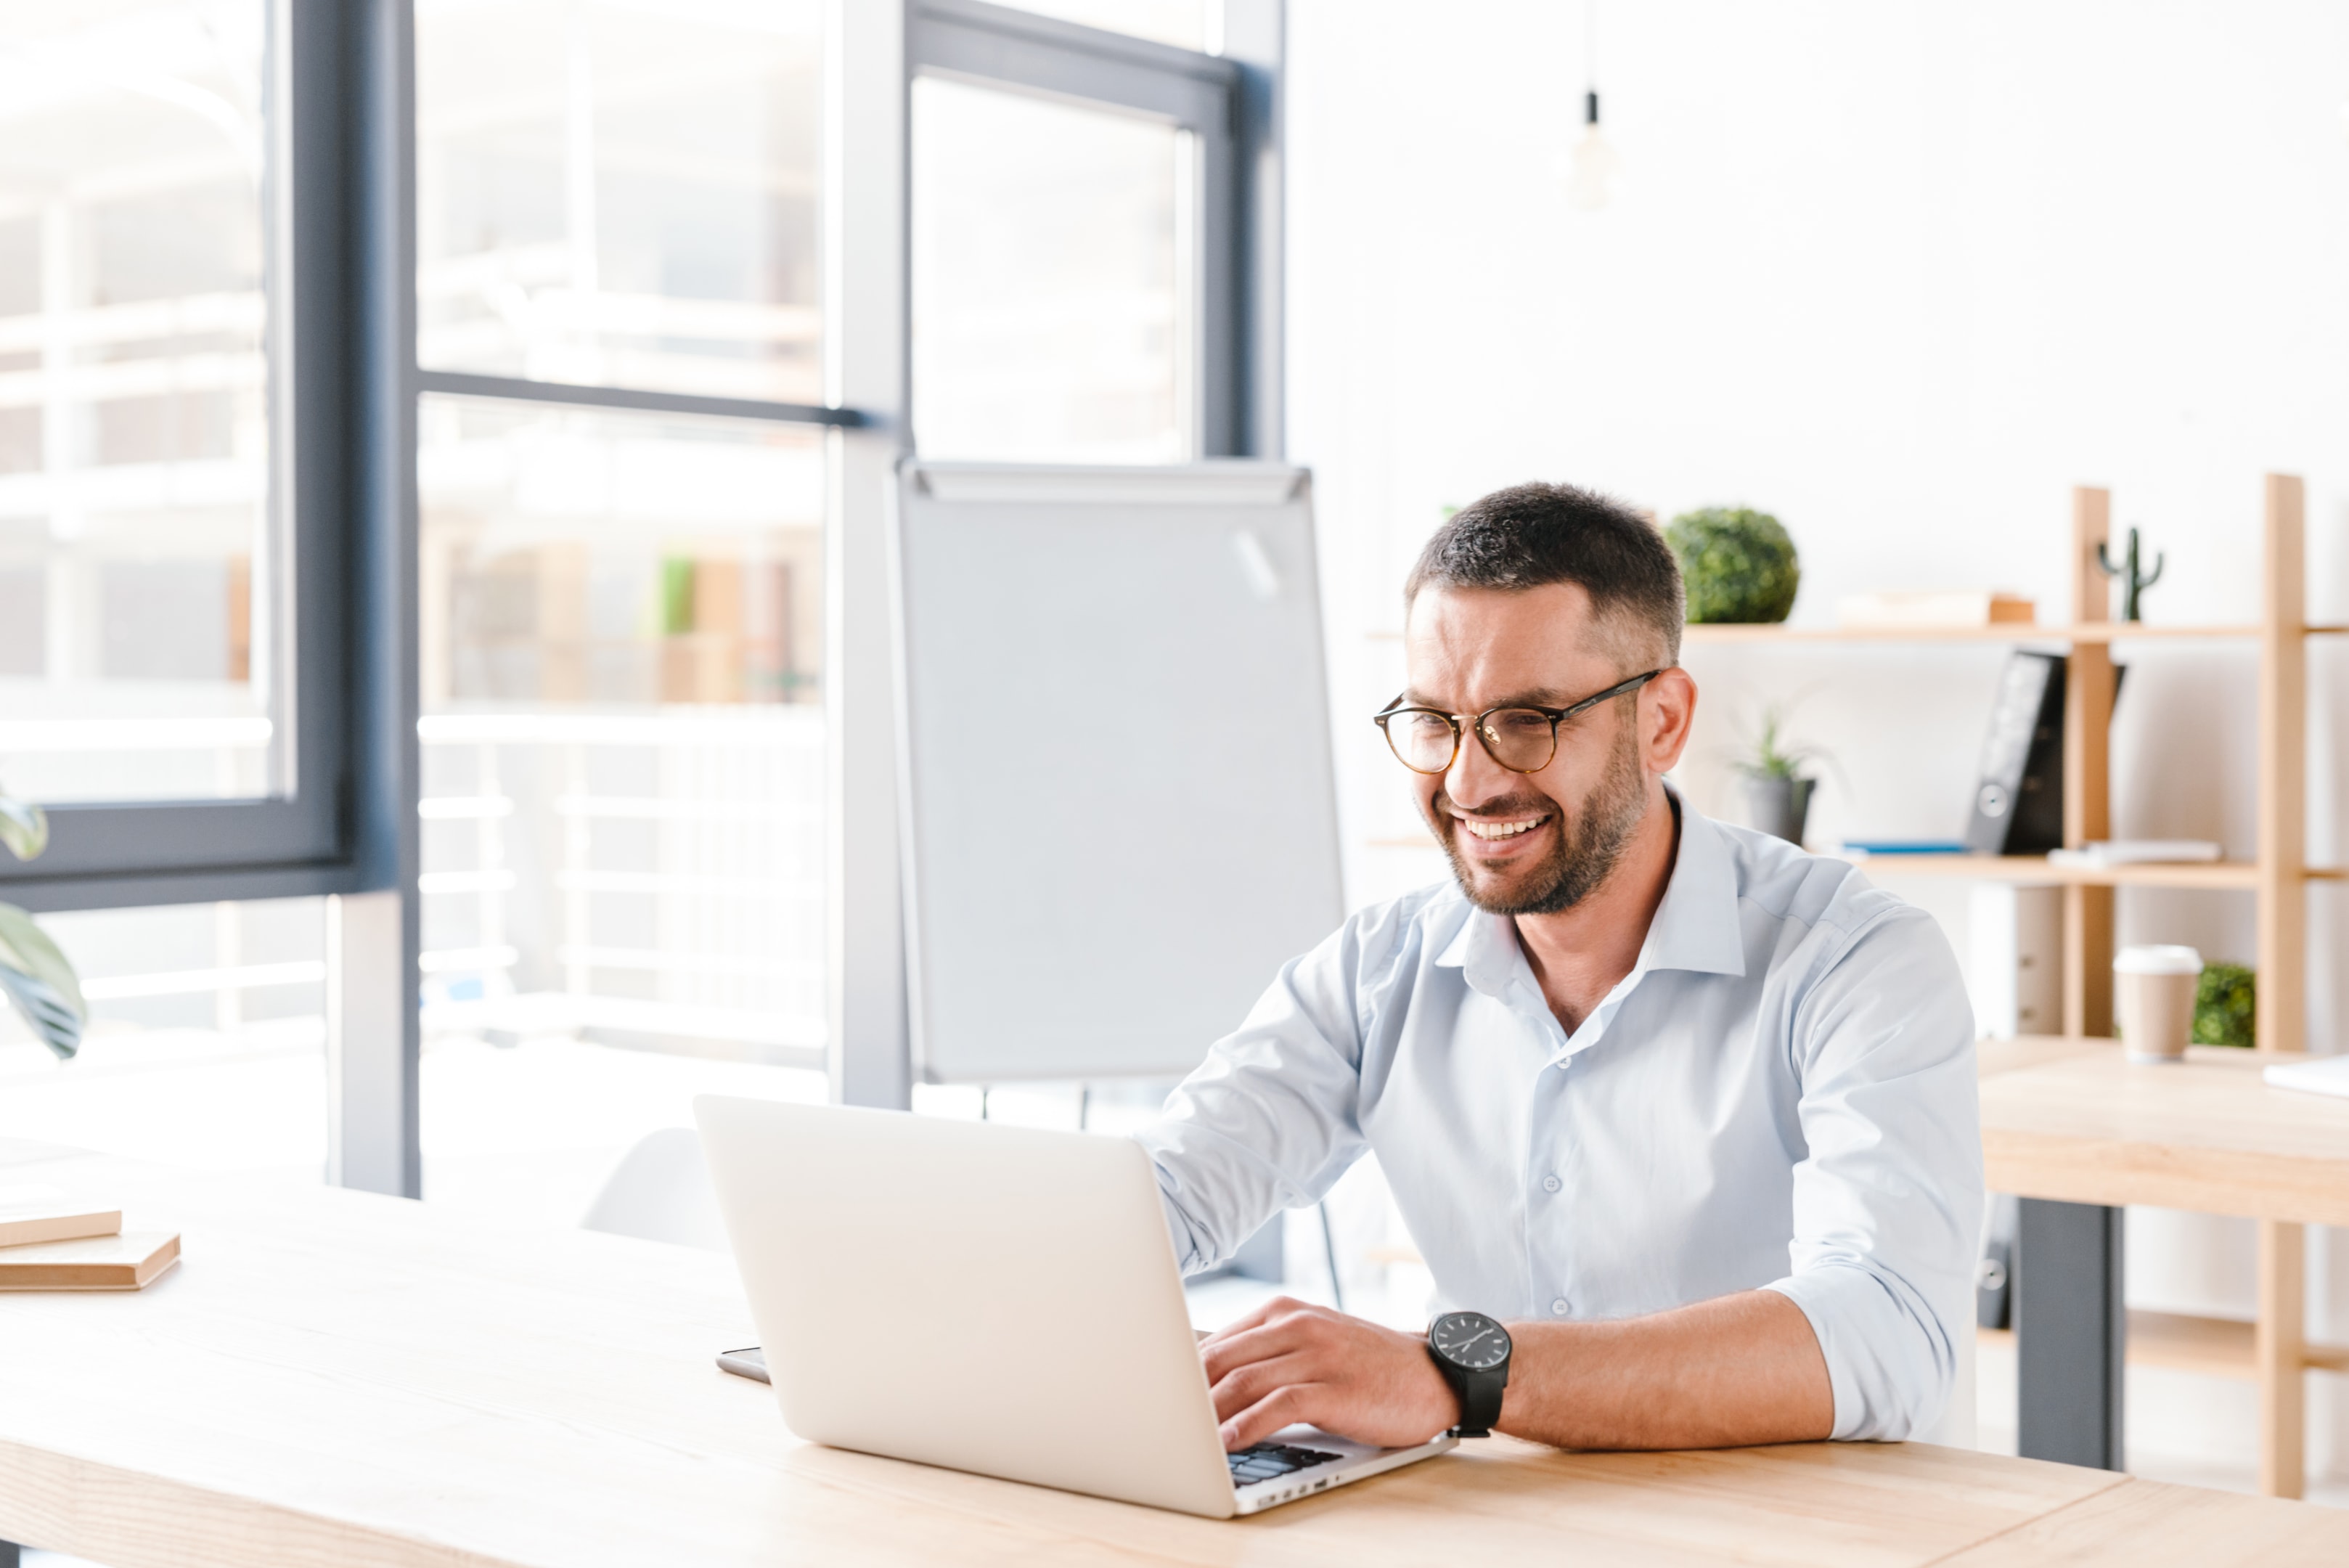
[(332, 1378), (2077, 1130)]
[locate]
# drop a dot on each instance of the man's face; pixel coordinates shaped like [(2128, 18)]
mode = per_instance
[(1528, 844)]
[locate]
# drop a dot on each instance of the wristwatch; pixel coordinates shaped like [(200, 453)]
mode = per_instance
[(1472, 1351)]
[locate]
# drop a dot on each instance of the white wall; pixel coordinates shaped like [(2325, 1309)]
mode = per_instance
[(1902, 273)]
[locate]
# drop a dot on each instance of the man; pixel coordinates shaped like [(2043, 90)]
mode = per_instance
[(1691, 1110)]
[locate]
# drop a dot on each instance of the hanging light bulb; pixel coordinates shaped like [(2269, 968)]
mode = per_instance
[(1592, 169), (1594, 161)]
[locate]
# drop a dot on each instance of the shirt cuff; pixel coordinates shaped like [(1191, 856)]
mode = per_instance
[(1887, 1382)]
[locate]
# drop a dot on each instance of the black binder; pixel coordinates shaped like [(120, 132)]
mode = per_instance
[(2019, 799)]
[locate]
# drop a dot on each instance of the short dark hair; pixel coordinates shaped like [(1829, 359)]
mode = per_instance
[(1531, 534)]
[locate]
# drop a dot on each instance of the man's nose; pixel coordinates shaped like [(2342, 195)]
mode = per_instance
[(1474, 777)]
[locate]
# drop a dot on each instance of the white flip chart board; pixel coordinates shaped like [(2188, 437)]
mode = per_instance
[(1120, 816)]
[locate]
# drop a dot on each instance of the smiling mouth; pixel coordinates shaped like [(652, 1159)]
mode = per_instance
[(1491, 832)]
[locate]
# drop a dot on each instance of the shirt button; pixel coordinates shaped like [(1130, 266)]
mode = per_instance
[(1551, 1184), (1558, 1308)]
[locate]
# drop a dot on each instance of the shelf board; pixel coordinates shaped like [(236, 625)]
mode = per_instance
[(2008, 631), (2228, 875), (2212, 1347), (2217, 876), (1703, 633)]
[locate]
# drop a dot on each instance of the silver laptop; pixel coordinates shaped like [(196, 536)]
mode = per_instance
[(996, 1299)]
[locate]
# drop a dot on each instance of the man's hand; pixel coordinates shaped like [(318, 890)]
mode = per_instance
[(1288, 1362)]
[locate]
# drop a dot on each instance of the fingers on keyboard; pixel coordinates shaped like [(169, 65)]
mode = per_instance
[(1268, 1461)]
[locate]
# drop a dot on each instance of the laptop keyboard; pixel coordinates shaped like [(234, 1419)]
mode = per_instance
[(1270, 1461)]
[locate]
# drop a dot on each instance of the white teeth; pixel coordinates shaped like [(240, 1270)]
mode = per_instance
[(1490, 830)]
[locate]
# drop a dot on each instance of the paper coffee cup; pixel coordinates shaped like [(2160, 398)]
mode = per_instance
[(2153, 992)]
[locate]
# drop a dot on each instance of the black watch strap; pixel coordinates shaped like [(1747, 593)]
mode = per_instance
[(1480, 1399)]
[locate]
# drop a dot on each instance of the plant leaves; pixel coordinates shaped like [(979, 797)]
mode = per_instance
[(23, 828), (40, 980), (1736, 564), (47, 1011)]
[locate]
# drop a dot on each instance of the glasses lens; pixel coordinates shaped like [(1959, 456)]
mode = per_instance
[(1520, 738), (1422, 739)]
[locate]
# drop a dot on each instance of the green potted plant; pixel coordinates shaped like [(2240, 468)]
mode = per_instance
[(2225, 1003), (38, 980), (1737, 564), (1777, 790)]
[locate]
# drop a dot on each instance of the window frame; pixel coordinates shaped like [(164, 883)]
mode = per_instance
[(1008, 50), (127, 853)]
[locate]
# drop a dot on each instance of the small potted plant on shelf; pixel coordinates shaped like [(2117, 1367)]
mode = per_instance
[(38, 980), (1777, 789), (1737, 564)]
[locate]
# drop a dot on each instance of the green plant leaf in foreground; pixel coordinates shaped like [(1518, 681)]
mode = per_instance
[(2226, 1005), (40, 982), (23, 828)]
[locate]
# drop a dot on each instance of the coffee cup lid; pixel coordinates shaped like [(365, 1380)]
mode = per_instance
[(2157, 959)]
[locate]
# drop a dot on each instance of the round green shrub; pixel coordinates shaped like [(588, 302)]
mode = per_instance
[(2224, 1001), (1738, 565)]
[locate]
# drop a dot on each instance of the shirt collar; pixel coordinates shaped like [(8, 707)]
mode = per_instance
[(1485, 950), (1695, 927)]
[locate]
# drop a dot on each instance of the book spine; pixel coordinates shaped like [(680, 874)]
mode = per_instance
[(58, 1227), (71, 1277)]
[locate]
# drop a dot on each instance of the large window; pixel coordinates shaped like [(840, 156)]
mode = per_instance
[(621, 602), (1074, 202), (620, 193), (444, 459), (206, 1041), (154, 614), (135, 499), (1055, 253)]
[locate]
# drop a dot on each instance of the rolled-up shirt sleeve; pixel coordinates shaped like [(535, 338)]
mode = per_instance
[(1887, 1198), (1269, 1120)]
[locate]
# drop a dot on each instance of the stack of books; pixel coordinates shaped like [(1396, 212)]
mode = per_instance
[(48, 1242)]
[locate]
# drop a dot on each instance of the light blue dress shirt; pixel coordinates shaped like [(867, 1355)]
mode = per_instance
[(1780, 1095)]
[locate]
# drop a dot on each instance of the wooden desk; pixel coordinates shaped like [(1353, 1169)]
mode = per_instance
[(2077, 1126), (331, 1379), (2077, 1120)]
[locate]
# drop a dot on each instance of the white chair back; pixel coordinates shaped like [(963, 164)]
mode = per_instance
[(660, 1191)]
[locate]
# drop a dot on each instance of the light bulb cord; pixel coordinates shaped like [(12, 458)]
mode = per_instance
[(1591, 62)]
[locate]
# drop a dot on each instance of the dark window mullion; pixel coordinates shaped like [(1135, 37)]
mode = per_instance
[(515, 389)]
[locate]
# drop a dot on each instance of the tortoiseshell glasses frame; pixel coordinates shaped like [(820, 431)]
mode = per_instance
[(1519, 738)]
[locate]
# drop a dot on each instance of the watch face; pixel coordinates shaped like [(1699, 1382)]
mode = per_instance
[(1470, 1340)]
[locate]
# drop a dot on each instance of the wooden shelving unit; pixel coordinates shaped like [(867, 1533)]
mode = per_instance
[(2279, 874), (2274, 1350)]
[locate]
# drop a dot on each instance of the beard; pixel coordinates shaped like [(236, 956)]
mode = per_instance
[(1589, 843)]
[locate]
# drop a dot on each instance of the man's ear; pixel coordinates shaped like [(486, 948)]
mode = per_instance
[(1666, 710)]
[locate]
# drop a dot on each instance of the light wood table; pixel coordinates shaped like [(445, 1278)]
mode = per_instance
[(334, 1378), (2076, 1127)]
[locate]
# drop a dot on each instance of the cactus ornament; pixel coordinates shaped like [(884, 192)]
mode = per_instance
[(2132, 585)]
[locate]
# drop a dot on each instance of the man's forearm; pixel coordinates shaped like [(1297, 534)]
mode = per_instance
[(1740, 1369)]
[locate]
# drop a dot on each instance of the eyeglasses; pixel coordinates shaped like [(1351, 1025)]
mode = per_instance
[(1522, 740)]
